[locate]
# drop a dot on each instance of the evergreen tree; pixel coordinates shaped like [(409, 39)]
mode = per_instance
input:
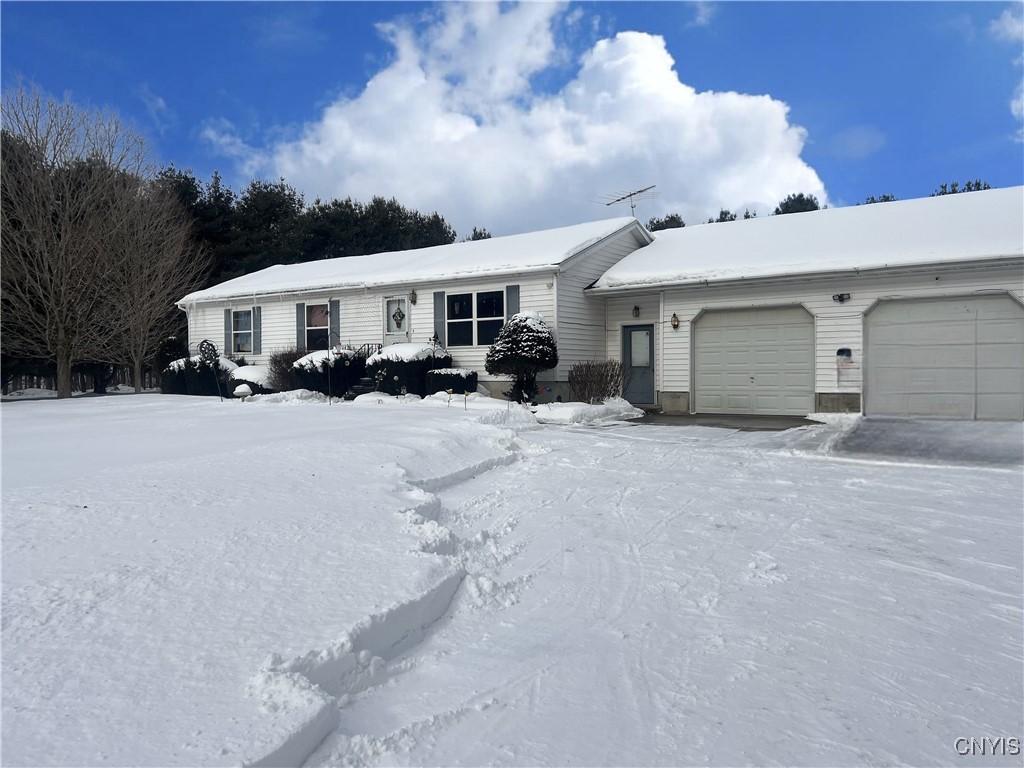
[(748, 214), (954, 187), (479, 234), (668, 221), (723, 216), (797, 203), (525, 346), (886, 198)]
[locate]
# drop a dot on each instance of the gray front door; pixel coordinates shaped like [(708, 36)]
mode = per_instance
[(638, 363)]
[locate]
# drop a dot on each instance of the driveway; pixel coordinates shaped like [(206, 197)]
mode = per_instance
[(937, 442), (744, 423)]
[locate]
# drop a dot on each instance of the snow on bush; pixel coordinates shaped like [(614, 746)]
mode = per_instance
[(612, 409), (314, 361), (401, 368), (252, 374), (525, 346), (457, 380), (242, 390), (178, 365), (405, 353)]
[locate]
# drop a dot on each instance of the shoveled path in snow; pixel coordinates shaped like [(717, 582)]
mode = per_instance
[(660, 595)]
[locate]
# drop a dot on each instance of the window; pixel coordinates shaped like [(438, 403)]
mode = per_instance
[(466, 328), (241, 331), (317, 327), (490, 316)]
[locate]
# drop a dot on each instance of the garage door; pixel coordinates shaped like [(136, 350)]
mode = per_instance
[(754, 361), (950, 358)]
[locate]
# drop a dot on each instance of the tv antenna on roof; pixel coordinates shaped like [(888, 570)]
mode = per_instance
[(632, 197)]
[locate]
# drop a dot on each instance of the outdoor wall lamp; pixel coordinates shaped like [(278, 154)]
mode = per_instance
[(412, 296), (636, 311), (839, 298), (675, 321)]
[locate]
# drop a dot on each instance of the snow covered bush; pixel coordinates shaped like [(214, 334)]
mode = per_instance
[(458, 380), (402, 368), (255, 377), (525, 346), (595, 382), (329, 372), (193, 376)]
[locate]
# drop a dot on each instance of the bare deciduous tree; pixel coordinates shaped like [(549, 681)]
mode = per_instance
[(93, 254), (58, 166), (157, 263)]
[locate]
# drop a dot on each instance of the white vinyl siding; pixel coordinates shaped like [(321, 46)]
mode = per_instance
[(362, 315), (619, 312), (581, 315), (836, 325)]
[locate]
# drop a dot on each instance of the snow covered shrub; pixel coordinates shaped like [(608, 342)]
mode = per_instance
[(525, 346), (255, 377), (595, 382), (171, 348), (458, 380), (193, 376), (329, 372), (402, 368)]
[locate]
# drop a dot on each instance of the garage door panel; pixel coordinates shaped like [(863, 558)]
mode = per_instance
[(957, 358), (764, 362)]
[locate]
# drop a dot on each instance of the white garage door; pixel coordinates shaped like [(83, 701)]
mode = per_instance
[(950, 358), (754, 361)]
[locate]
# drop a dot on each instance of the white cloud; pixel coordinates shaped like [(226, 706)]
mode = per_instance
[(1009, 26), (159, 113), (703, 12), (222, 136), (453, 124), (857, 142)]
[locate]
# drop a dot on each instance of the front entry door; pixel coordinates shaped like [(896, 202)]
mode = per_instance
[(396, 320), (638, 364)]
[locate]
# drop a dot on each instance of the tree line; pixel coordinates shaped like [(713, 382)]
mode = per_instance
[(269, 223), (799, 202), (97, 246)]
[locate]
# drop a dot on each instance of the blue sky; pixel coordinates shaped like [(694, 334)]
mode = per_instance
[(892, 97)]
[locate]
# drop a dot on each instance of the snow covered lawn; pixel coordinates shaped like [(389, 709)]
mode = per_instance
[(188, 582)]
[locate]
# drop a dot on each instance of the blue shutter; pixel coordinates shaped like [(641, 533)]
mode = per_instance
[(511, 300), (439, 317), (257, 330), (334, 307), (227, 332), (300, 327)]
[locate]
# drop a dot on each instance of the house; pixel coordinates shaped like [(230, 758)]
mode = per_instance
[(910, 308), (461, 292)]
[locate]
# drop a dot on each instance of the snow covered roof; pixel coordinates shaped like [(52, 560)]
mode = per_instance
[(949, 228), (528, 252)]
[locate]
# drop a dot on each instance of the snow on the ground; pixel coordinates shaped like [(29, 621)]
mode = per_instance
[(611, 410), (255, 374), (398, 582)]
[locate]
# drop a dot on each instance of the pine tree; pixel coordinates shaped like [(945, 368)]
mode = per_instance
[(723, 216), (668, 221), (797, 203), (525, 346), (886, 198), (479, 234), (968, 186)]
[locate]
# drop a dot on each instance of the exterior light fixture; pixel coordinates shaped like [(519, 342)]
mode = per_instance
[(839, 298), (636, 311), (412, 296), (675, 321)]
